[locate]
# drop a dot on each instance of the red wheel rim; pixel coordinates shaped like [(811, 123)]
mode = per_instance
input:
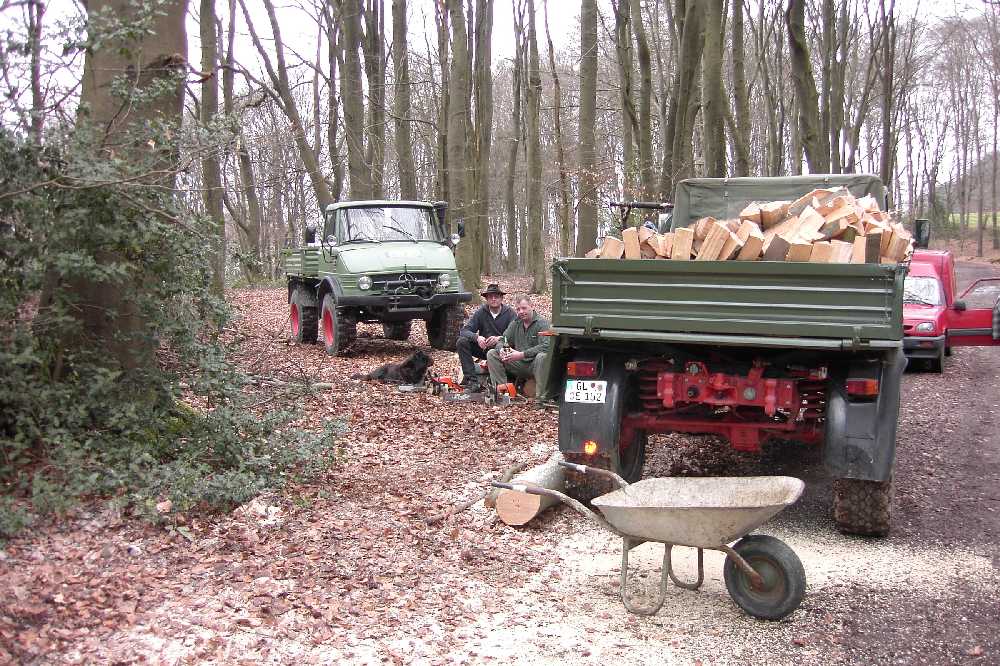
[(328, 328), (295, 320)]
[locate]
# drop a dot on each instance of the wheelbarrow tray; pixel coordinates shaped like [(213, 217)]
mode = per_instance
[(704, 512)]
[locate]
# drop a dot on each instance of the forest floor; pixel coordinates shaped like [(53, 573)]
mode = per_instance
[(346, 569)]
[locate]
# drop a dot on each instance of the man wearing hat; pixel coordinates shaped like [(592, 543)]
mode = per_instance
[(482, 332)]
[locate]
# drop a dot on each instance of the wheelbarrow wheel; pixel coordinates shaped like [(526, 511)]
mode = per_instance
[(779, 566)]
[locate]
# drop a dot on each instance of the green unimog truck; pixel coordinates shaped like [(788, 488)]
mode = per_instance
[(745, 350), (387, 262)]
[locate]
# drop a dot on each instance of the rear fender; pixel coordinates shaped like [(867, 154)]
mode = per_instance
[(601, 423), (861, 434), (308, 290)]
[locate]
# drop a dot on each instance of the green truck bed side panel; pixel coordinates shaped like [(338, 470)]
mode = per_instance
[(759, 298), (724, 198), (302, 262)]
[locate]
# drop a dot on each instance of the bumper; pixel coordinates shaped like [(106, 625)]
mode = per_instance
[(404, 302), (923, 346)]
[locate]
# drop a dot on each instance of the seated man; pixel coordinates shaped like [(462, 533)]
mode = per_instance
[(482, 332), (527, 350)]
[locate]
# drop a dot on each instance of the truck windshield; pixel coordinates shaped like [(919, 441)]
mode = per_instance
[(388, 223), (923, 290)]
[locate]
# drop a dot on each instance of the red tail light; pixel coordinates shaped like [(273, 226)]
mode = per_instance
[(862, 387), (581, 369)]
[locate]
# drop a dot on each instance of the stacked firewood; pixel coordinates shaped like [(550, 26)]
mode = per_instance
[(824, 226)]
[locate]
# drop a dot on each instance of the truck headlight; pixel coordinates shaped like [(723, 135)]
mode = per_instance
[(925, 327), (455, 238), (444, 280), (364, 283)]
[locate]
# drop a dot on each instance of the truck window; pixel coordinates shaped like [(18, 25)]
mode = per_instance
[(984, 295), (922, 290), (390, 223)]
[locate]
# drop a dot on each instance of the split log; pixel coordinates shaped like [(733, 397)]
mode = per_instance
[(645, 233), (799, 251), (630, 237), (612, 248), (751, 214), (841, 253), (683, 242), (718, 234), (772, 213), (593, 254), (753, 241), (517, 508), (777, 249), (821, 252), (731, 248)]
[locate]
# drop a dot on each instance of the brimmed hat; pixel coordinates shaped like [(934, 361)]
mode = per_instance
[(492, 289)]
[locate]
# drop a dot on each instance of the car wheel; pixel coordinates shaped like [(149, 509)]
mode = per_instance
[(339, 331)]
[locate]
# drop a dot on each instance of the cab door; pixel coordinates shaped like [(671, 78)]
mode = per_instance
[(974, 318)]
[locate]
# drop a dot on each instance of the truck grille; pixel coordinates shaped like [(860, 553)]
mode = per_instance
[(422, 284)]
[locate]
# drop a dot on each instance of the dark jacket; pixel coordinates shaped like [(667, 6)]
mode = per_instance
[(482, 323), (528, 340)]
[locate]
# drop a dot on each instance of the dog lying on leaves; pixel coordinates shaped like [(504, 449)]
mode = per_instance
[(410, 371)]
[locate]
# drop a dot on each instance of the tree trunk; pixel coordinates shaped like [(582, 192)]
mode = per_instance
[(587, 187), (805, 89), (714, 96), (444, 117), (647, 175), (483, 89), (741, 97), (374, 51), (565, 220), (629, 118), (515, 139), (888, 148), (352, 101), (211, 173), (680, 125), (36, 14), (110, 320), (401, 102), (458, 142), (536, 239)]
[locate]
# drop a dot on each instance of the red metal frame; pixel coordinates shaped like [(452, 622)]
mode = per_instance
[(745, 409)]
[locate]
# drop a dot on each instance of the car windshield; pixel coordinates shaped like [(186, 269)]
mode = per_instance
[(389, 223), (924, 290)]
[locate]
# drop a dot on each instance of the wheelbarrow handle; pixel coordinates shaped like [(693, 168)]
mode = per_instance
[(589, 469), (526, 488)]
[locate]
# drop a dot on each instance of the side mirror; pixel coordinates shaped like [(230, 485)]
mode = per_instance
[(331, 240), (441, 208), (958, 305), (461, 228)]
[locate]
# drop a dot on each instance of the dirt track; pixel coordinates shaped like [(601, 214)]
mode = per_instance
[(346, 570)]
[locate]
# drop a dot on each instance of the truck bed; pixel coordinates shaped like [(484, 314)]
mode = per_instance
[(302, 262), (760, 303)]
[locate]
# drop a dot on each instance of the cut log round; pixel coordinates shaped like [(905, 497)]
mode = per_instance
[(517, 508)]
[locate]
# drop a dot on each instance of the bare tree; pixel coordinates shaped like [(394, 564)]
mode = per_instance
[(586, 208), (805, 89), (401, 102), (536, 246), (565, 219)]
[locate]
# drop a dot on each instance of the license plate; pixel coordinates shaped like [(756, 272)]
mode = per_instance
[(586, 390)]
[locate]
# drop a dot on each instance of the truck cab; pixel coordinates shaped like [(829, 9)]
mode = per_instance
[(935, 318)]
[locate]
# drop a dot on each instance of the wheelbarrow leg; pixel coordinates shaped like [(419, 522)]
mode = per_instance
[(668, 567), (627, 545)]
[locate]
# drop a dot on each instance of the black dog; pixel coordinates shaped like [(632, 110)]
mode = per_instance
[(410, 371)]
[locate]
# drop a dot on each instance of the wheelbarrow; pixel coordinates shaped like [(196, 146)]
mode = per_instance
[(763, 575)]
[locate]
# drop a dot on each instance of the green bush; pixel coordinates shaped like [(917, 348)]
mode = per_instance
[(75, 421)]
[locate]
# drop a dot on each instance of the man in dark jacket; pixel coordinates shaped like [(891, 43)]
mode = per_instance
[(527, 349), (482, 332)]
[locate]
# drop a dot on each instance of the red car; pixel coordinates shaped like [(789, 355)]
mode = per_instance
[(935, 320)]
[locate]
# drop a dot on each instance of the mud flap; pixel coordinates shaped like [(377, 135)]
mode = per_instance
[(861, 434), (601, 423)]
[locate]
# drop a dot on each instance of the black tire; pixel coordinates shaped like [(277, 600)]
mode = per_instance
[(784, 578), (947, 350), (339, 331), (632, 458), (862, 507), (397, 330), (303, 318), (444, 325), (937, 364)]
